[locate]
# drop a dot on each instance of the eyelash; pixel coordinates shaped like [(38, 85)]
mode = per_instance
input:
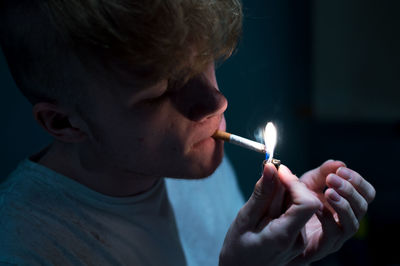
[(171, 88), (158, 98)]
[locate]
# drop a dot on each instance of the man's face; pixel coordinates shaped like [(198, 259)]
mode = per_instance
[(156, 131)]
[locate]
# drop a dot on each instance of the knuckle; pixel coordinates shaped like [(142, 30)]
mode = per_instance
[(242, 220), (259, 193), (311, 203)]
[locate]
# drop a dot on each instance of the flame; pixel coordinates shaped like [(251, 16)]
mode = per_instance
[(270, 136)]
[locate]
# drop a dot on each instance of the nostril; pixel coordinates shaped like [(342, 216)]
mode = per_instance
[(196, 112), (199, 99), (214, 103), (200, 105)]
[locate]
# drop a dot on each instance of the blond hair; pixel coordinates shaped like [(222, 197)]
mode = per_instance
[(162, 38)]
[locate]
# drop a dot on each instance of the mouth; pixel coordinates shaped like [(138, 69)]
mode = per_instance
[(208, 139), (222, 124), (204, 142)]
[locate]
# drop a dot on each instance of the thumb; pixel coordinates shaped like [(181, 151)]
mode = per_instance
[(304, 203), (260, 200)]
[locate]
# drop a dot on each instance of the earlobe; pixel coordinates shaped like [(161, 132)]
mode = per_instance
[(56, 121)]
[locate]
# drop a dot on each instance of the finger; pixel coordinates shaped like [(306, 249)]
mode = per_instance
[(304, 203), (347, 191), (360, 184), (330, 166), (328, 223), (298, 247), (260, 200), (276, 207), (330, 239), (330, 228), (315, 179), (347, 219), (301, 242)]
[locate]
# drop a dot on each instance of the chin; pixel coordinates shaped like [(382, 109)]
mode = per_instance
[(204, 162)]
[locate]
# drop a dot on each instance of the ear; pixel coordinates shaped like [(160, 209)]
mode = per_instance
[(57, 122)]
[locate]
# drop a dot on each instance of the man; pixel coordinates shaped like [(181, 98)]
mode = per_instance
[(128, 91)]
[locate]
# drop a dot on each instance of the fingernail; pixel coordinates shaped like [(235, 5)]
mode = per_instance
[(333, 195), (335, 181), (344, 172), (263, 166), (285, 169)]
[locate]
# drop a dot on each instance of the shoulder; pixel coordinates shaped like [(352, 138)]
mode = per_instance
[(28, 212), (19, 231)]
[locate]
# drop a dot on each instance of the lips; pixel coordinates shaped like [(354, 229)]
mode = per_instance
[(222, 124), (208, 136)]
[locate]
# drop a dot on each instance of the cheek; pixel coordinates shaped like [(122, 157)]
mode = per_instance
[(141, 140), (149, 140)]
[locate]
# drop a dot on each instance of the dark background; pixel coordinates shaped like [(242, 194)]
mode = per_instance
[(327, 74)]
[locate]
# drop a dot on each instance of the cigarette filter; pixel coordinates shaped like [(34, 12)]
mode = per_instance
[(240, 141)]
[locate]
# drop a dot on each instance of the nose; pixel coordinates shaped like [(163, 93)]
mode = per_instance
[(200, 98)]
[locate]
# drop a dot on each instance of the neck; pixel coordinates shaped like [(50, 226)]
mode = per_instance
[(65, 159)]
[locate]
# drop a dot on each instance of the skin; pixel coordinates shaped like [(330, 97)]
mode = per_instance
[(133, 136), (128, 138), (302, 226)]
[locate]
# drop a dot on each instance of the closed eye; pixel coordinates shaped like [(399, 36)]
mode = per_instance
[(156, 99)]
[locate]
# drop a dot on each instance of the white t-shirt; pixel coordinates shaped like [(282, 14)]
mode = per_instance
[(204, 210), (49, 219)]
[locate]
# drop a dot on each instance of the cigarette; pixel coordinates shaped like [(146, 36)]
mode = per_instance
[(240, 141)]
